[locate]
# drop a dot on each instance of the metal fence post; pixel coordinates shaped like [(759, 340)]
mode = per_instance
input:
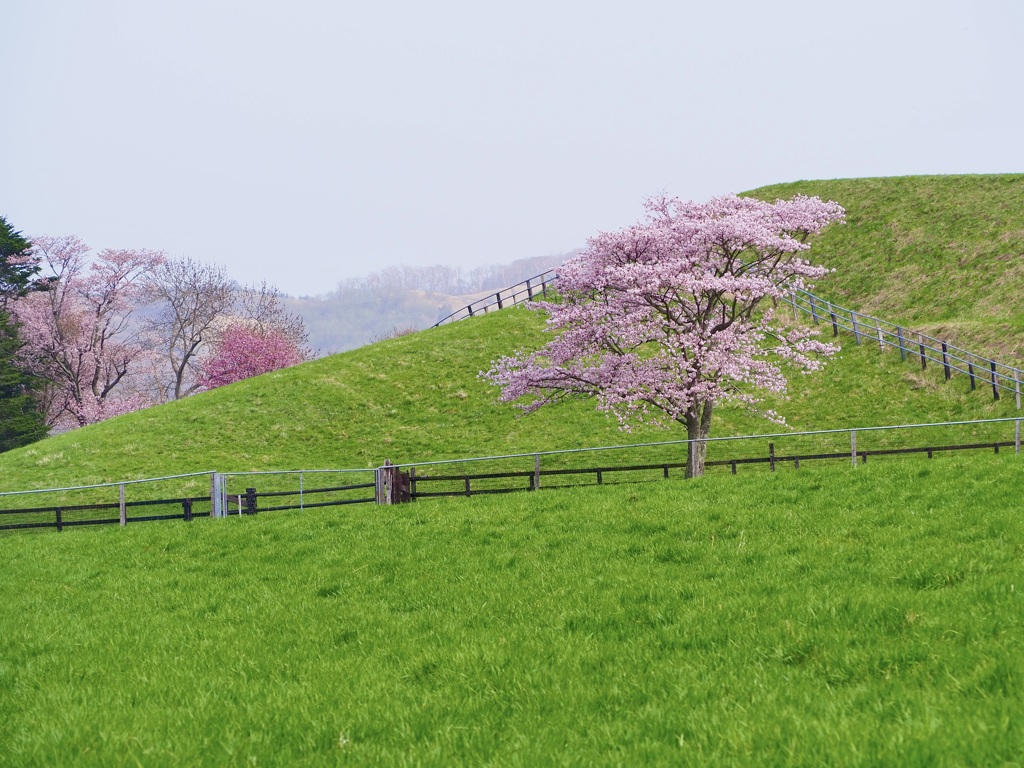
[(853, 447), (945, 360), (1016, 435), (881, 342), (792, 300), (853, 321), (216, 495), (300, 492), (903, 347), (1016, 387), (771, 456), (120, 504), (835, 323), (536, 471)]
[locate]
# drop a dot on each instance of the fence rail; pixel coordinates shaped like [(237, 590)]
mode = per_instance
[(286, 490), (520, 293), (912, 345)]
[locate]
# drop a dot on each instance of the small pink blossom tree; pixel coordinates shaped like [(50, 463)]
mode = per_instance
[(662, 320), (244, 351)]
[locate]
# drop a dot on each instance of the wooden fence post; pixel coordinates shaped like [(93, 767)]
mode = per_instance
[(995, 386), (250, 501), (393, 486), (536, 471), (970, 372), (60, 521), (771, 456), (186, 508), (498, 297), (903, 346), (920, 347), (945, 360), (120, 504), (792, 299), (835, 323), (853, 321), (412, 483), (814, 311)]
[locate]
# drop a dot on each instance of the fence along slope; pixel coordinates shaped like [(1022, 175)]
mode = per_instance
[(520, 293), (979, 369)]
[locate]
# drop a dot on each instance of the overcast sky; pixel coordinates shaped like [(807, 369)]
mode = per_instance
[(308, 141)]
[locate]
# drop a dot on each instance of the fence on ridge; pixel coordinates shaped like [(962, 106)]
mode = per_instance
[(520, 293)]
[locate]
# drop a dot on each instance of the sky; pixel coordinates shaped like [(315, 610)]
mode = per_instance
[(306, 142)]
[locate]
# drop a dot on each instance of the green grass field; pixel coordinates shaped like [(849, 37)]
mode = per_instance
[(827, 616)]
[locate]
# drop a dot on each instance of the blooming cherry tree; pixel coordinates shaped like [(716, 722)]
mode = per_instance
[(78, 333), (662, 320), (245, 351)]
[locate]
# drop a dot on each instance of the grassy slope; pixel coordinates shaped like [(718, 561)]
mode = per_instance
[(944, 254), (418, 398), (827, 616)]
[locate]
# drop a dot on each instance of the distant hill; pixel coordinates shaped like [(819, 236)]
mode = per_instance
[(366, 309)]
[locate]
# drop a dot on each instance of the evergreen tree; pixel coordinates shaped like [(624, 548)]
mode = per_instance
[(21, 421), (17, 266)]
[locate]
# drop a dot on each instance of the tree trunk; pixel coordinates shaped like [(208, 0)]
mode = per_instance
[(698, 427)]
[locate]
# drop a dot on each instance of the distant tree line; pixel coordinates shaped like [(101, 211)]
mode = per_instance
[(85, 336)]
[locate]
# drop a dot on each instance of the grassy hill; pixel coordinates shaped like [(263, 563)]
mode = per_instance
[(418, 398), (943, 254)]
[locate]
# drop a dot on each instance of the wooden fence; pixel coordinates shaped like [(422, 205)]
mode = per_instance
[(520, 293), (980, 371), (913, 346), (395, 484)]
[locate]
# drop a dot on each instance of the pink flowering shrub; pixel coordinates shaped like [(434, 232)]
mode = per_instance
[(661, 320), (243, 352)]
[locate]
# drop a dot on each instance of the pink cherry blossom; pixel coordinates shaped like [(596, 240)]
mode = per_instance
[(245, 351), (661, 320)]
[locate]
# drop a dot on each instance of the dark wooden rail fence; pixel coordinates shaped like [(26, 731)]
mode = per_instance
[(70, 515), (463, 484)]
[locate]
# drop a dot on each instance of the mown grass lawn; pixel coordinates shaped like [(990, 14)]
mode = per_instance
[(826, 616)]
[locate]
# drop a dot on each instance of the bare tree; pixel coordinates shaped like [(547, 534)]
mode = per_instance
[(262, 306), (191, 299)]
